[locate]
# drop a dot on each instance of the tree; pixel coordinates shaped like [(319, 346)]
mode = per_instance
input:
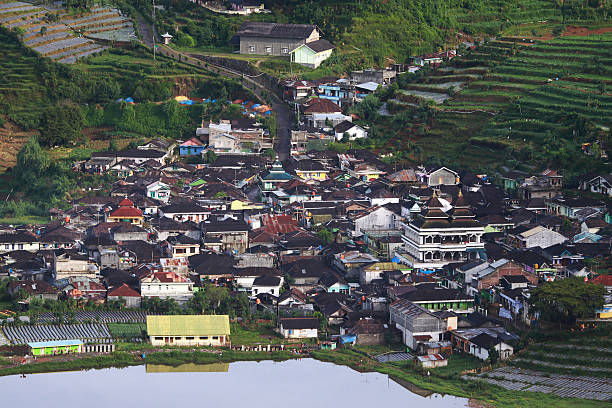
[(210, 156), (61, 124), (270, 153), (32, 162), (565, 300), (326, 235), (112, 145), (216, 295), (493, 355)]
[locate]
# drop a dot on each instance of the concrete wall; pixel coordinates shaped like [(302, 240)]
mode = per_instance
[(269, 46), (218, 340)]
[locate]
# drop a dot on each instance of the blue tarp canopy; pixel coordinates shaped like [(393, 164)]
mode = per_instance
[(186, 102), (348, 338)]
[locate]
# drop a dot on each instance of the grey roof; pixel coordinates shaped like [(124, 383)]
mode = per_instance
[(300, 323), (320, 45), (275, 30)]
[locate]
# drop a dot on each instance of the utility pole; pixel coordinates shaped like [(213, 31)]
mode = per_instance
[(153, 30)]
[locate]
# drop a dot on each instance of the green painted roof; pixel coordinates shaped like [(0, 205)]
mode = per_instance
[(198, 182), (188, 325)]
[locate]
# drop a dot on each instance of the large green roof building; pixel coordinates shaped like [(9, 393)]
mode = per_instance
[(189, 330)]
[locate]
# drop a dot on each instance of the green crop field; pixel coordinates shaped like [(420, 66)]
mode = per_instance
[(533, 103)]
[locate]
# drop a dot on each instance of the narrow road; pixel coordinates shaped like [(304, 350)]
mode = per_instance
[(284, 115), (145, 30)]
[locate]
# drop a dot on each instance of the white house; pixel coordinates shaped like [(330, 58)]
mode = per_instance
[(601, 185), (166, 285), (525, 237), (375, 219), (354, 131), (481, 344), (299, 327), (313, 53), (159, 191), (267, 284)]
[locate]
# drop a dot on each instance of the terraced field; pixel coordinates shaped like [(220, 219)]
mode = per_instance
[(580, 368), (64, 36), (527, 93)]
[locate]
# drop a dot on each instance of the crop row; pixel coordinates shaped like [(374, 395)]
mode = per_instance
[(84, 332), (47, 38), (59, 45), (72, 59)]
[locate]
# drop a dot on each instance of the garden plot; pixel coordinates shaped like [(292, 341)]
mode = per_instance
[(27, 16), (562, 385), (73, 58), (27, 7), (58, 41), (71, 52), (46, 38), (123, 33), (47, 49), (101, 316), (438, 98), (86, 332)]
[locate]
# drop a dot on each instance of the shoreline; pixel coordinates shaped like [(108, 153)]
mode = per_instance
[(478, 393)]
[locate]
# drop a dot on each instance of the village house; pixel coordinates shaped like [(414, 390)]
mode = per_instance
[(378, 76), (312, 54), (191, 147), (267, 284), (311, 170), (184, 212), (226, 235), (166, 285), (274, 39), (126, 294), (159, 190), (600, 185), (528, 236), (416, 323), (33, 289), (189, 330), (138, 156), (349, 129), (180, 246), (299, 327), (478, 341), (71, 264), (19, 241)]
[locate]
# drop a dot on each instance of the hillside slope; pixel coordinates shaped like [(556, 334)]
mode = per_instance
[(509, 101)]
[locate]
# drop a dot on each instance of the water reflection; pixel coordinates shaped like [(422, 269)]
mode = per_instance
[(304, 383)]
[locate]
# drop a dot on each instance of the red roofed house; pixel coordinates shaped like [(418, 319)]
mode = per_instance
[(166, 285), (126, 212), (319, 105), (125, 293), (191, 147)]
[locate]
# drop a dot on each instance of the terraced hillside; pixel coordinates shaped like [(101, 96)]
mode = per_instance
[(63, 35), (538, 99)]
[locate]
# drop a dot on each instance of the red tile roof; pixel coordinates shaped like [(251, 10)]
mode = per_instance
[(126, 202), (123, 291), (605, 280), (318, 105), (123, 212)]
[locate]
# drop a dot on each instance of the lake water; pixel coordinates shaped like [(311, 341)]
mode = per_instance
[(267, 384)]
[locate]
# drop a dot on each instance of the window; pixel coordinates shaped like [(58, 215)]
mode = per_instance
[(177, 338), (251, 48), (203, 337), (7, 246), (20, 246), (215, 337), (268, 50), (193, 250), (159, 338), (189, 338), (285, 50)]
